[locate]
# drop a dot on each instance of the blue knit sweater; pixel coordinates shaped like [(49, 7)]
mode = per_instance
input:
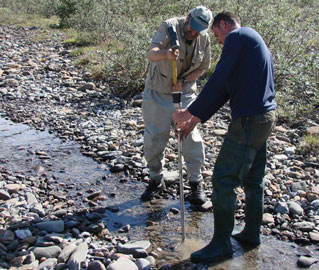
[(244, 75)]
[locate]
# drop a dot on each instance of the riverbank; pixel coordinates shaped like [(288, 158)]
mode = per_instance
[(41, 87)]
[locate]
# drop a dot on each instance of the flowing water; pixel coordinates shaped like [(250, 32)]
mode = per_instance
[(149, 220)]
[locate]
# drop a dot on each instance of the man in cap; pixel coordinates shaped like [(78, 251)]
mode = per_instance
[(192, 59)]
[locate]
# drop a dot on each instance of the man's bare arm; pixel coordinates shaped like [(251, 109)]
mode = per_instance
[(156, 54)]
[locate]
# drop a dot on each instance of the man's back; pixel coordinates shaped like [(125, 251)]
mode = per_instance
[(244, 75), (251, 82)]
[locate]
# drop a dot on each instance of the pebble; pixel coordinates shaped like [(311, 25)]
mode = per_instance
[(96, 265), (137, 249), (122, 263), (306, 262), (143, 264), (51, 226), (295, 208), (78, 256)]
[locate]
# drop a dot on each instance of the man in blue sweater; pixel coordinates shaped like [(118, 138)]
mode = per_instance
[(244, 76)]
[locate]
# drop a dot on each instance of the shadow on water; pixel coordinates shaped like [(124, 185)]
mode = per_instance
[(148, 220)]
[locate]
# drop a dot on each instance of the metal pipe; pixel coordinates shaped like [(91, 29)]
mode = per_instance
[(177, 96), (181, 185)]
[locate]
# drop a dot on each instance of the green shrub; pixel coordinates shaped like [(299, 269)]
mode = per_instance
[(309, 146), (65, 10)]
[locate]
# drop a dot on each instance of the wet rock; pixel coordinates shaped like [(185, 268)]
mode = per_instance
[(290, 150), (4, 195), (17, 261), (96, 228), (296, 186), (117, 168), (87, 86), (314, 237), (315, 189), (122, 263), (282, 208), (295, 208), (219, 132), (305, 262), (38, 209), (51, 226), (46, 252), (304, 226), (78, 256), (315, 204), (280, 157), (6, 236), (171, 176), (143, 264), (30, 258), (23, 234), (166, 267), (96, 265), (11, 82), (31, 199), (125, 229), (311, 196), (14, 188), (94, 195), (48, 264), (66, 252), (268, 218), (138, 249), (174, 210)]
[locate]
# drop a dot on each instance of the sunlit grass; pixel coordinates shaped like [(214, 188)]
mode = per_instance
[(309, 146), (7, 17)]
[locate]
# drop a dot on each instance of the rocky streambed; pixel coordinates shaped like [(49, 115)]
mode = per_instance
[(47, 223)]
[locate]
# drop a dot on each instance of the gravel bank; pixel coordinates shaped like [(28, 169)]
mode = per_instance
[(41, 87)]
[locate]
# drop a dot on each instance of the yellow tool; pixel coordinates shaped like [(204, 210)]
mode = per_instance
[(174, 72)]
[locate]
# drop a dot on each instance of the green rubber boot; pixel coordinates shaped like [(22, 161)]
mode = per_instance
[(254, 192), (217, 249), (220, 246), (250, 235)]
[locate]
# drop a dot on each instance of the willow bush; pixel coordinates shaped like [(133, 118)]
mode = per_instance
[(119, 31)]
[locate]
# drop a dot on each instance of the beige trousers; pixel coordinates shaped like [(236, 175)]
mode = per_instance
[(157, 115)]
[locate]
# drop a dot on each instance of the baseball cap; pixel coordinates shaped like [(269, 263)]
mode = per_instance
[(200, 18)]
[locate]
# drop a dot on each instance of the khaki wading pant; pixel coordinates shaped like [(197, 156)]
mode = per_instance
[(241, 162), (157, 114)]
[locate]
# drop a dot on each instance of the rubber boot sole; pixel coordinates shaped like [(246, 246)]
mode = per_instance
[(206, 260)]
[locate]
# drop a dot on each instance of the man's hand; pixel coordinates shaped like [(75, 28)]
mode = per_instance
[(172, 54), (185, 122), (156, 54), (177, 87)]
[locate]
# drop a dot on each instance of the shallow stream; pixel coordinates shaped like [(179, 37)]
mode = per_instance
[(19, 145)]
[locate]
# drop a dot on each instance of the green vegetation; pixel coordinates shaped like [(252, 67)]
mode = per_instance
[(111, 37), (309, 146)]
